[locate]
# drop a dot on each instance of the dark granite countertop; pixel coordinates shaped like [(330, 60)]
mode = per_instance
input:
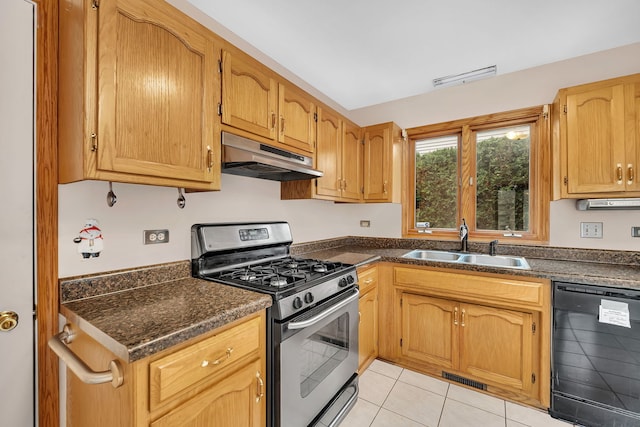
[(144, 320), (590, 267)]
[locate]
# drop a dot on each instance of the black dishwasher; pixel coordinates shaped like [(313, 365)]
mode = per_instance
[(596, 355)]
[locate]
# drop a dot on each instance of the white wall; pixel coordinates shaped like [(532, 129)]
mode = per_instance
[(242, 199)]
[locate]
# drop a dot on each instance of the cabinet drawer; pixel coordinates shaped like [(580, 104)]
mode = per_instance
[(367, 279), (178, 371), (495, 289)]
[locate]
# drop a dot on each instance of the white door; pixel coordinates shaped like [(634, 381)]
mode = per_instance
[(17, 284)]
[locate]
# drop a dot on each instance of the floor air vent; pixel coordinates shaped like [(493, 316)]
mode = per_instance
[(463, 380)]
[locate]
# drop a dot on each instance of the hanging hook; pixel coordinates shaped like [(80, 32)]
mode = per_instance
[(181, 200), (111, 196)]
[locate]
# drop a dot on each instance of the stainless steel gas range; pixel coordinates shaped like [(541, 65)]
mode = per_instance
[(312, 329)]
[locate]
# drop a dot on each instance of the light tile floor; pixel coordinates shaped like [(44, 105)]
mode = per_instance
[(391, 396)]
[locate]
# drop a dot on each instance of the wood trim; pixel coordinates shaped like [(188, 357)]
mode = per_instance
[(507, 118), (47, 210), (540, 177)]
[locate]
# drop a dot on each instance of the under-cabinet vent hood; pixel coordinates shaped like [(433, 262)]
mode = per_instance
[(245, 157), (611, 204)]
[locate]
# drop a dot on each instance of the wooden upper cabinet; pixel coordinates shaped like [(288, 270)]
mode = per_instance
[(339, 157), (352, 162), (329, 153), (597, 139), (249, 96), (297, 122), (382, 163), (138, 89), (254, 101)]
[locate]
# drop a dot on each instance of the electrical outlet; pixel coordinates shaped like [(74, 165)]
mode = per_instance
[(591, 230), (152, 237), (365, 223)]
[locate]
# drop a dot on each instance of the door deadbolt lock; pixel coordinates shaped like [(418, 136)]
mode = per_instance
[(8, 320)]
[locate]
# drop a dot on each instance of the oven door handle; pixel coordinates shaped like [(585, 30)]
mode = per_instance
[(315, 319)]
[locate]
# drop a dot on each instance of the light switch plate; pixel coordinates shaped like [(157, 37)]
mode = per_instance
[(592, 230)]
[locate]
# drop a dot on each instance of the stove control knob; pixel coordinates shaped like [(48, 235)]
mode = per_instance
[(297, 303), (308, 297), (350, 279), (342, 282)]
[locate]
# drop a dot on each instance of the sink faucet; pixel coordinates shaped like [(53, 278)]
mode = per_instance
[(492, 247), (464, 236)]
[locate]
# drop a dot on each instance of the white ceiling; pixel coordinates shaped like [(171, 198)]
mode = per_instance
[(365, 52)]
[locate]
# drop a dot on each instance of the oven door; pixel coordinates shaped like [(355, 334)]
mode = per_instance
[(319, 354)]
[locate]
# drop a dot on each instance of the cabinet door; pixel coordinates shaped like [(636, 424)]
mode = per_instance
[(632, 138), (233, 402), (429, 330), (156, 86), (496, 346), (352, 159), (377, 153), (328, 153), (368, 329), (595, 140), (297, 125), (249, 96)]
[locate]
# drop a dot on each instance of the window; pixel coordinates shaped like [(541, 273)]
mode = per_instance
[(490, 170)]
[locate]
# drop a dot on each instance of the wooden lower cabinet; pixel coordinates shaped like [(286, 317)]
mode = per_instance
[(428, 332), (230, 403), (368, 310), (496, 346), (490, 329), (214, 380), (488, 344)]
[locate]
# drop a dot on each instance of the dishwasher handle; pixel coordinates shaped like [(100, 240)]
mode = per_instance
[(58, 344)]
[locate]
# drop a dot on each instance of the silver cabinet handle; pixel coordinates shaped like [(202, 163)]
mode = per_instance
[(58, 343)]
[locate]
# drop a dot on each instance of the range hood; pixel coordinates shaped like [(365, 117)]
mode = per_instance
[(245, 157), (612, 204)]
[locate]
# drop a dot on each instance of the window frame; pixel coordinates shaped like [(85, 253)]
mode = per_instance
[(539, 179)]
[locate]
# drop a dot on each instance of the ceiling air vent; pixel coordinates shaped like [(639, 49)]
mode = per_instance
[(611, 204)]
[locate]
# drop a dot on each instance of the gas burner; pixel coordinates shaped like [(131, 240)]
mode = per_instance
[(278, 281), (291, 264), (247, 276), (319, 268)]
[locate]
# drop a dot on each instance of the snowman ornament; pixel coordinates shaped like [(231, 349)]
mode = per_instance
[(89, 240)]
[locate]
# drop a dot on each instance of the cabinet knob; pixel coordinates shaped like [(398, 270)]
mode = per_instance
[(630, 176)]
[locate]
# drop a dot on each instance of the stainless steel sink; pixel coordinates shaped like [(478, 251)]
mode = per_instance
[(496, 261), (430, 255), (477, 259)]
